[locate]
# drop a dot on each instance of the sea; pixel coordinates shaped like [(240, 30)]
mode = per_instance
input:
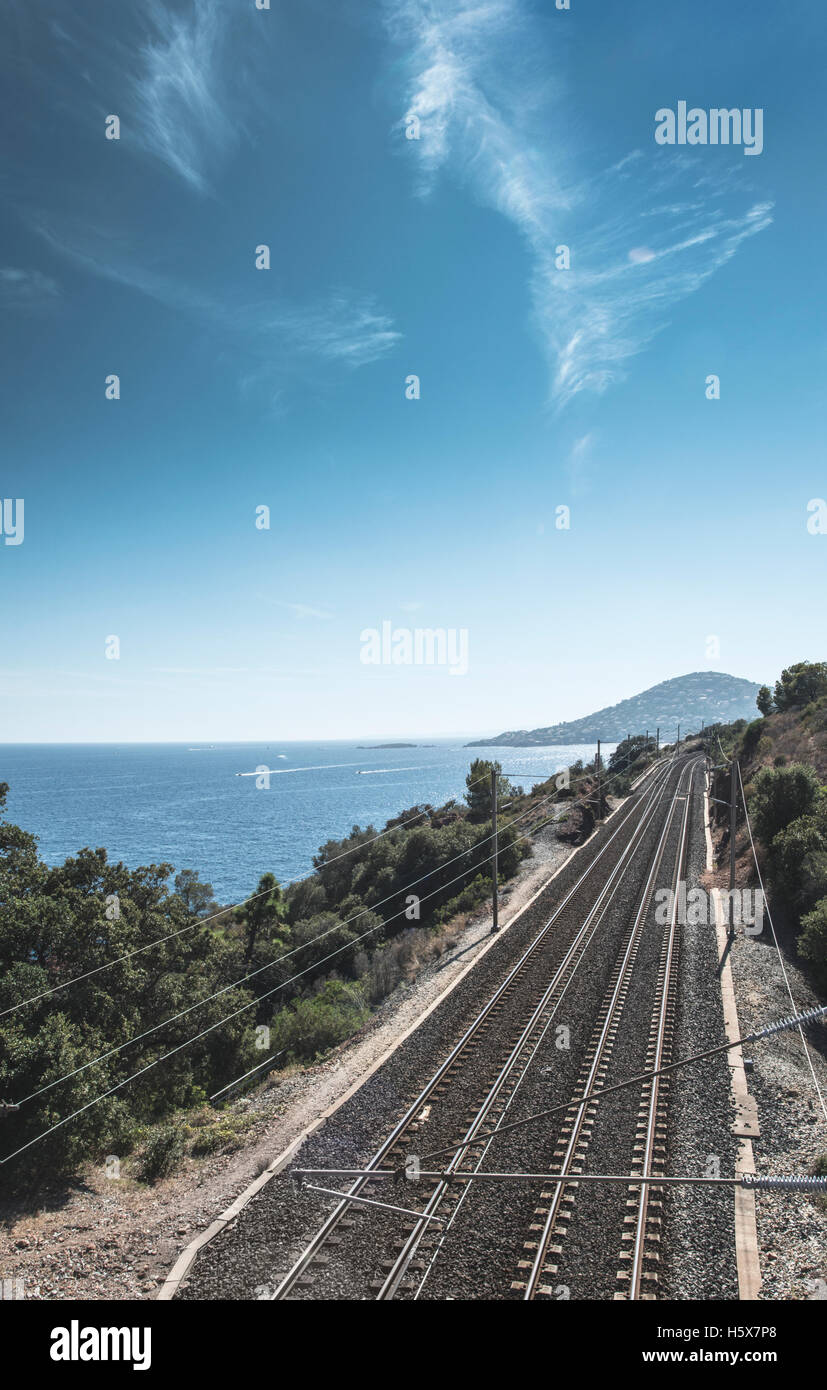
[(209, 807)]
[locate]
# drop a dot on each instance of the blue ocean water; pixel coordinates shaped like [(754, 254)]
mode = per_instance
[(187, 805)]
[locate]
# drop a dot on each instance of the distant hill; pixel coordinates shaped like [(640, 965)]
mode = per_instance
[(703, 697)]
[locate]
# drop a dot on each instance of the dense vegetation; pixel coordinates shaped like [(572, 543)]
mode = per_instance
[(628, 761), (194, 994), (784, 758)]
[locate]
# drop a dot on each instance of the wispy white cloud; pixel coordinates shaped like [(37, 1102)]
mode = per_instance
[(201, 670), (183, 79), (577, 463), (26, 289), (176, 72), (303, 610), (617, 295), (644, 234), (179, 89), (104, 254), (343, 327)]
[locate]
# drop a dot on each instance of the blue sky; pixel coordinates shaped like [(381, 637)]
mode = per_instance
[(391, 256)]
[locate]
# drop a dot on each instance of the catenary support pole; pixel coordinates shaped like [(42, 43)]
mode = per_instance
[(733, 816), (599, 801), (494, 871)]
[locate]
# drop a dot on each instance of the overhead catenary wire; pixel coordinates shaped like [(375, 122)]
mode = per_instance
[(372, 1202), (780, 1026), (139, 1037), (237, 1081), (218, 1024), (204, 921), (618, 770), (215, 916), (285, 955), (767, 1182)]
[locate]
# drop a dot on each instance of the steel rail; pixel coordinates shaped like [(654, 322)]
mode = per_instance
[(642, 805), (551, 999), (661, 1015), (614, 1008), (552, 996)]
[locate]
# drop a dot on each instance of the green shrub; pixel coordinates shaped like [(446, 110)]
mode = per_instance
[(204, 1115), (812, 881), (798, 862), (476, 892), (801, 684), (209, 1131), (782, 794), (812, 942), (223, 1138), (162, 1153), (311, 1026), (819, 1170), (764, 700), (384, 975), (478, 782), (815, 715)]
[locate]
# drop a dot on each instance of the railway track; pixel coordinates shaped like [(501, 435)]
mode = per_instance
[(544, 1245), (645, 1203), (530, 995), (495, 1106)]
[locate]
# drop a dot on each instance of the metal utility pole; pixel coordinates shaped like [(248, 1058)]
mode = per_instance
[(494, 903), (733, 816), (599, 802), (679, 738), (657, 749)]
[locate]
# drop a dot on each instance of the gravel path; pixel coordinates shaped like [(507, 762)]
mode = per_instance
[(792, 1230)]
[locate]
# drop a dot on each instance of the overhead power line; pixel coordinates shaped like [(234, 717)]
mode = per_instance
[(285, 955), (220, 1022), (245, 1007), (797, 1021), (216, 916), (205, 921)]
